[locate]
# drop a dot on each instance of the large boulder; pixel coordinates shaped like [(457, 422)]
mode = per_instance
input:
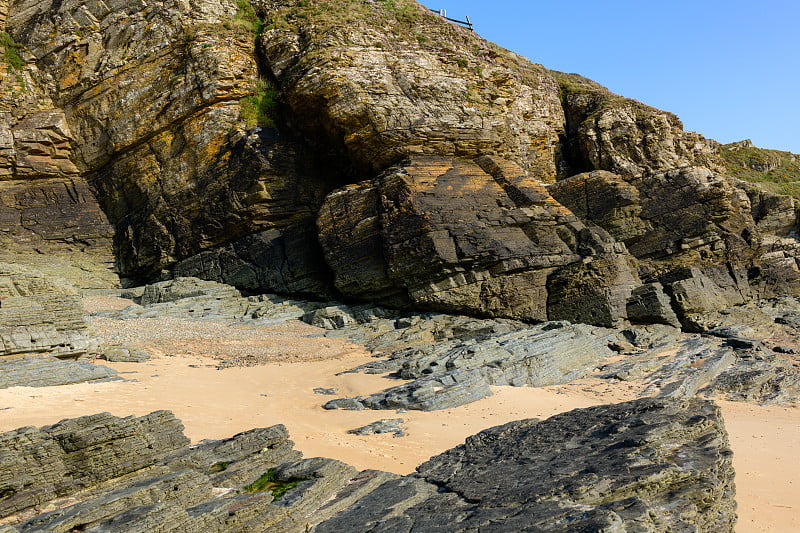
[(456, 235), (657, 465)]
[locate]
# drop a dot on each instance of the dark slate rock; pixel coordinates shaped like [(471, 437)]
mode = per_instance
[(646, 465), (384, 425)]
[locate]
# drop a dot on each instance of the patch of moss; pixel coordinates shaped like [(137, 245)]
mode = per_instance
[(219, 467), (11, 51), (774, 170), (270, 481), (258, 109)]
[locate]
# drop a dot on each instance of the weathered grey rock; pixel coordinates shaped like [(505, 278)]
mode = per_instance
[(595, 290), (655, 463), (456, 373), (41, 318), (736, 368), (206, 487), (41, 315), (651, 464), (183, 288), (201, 299), (47, 371), (764, 382), (39, 465), (608, 132), (340, 316), (121, 353)]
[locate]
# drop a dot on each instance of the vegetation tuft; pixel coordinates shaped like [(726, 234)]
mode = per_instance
[(11, 51), (258, 109), (272, 482), (246, 18)]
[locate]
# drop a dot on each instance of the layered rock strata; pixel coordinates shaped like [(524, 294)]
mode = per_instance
[(478, 237), (660, 464), (38, 315), (42, 322), (180, 175), (746, 352), (452, 374), (523, 476), (49, 217)]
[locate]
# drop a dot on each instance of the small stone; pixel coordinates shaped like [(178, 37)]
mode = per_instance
[(385, 425)]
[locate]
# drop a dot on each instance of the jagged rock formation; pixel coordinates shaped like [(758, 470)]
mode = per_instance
[(178, 176), (660, 464), (456, 372), (607, 132), (523, 477), (200, 299), (743, 354)]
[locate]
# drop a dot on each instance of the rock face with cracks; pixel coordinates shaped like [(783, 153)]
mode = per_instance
[(369, 151), (663, 465)]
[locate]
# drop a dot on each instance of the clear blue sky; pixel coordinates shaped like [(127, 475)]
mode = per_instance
[(730, 70)]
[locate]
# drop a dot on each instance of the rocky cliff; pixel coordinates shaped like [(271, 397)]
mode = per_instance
[(370, 150)]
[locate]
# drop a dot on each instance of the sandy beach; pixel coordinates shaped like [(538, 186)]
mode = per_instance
[(295, 359)]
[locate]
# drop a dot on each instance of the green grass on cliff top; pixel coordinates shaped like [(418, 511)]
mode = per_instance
[(773, 170)]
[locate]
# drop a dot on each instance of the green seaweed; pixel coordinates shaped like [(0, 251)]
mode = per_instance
[(270, 481)]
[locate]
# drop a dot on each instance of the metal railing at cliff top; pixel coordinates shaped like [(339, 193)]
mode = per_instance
[(443, 13)]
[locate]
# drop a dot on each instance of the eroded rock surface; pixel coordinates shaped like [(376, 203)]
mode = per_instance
[(478, 237), (43, 328), (39, 315), (455, 372), (661, 464), (524, 476)]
